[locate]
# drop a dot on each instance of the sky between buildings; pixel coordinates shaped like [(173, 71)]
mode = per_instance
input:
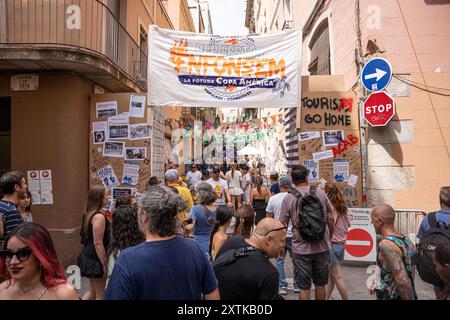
[(228, 17)]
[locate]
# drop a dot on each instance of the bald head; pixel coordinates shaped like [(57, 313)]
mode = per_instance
[(386, 213), (267, 224)]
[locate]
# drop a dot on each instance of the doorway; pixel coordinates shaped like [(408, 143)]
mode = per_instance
[(5, 134)]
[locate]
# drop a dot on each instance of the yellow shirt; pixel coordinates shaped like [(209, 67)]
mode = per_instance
[(186, 195)]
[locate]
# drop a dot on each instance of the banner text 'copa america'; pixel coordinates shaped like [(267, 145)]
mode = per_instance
[(199, 70)]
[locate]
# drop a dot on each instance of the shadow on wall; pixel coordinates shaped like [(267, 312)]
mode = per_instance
[(67, 244)]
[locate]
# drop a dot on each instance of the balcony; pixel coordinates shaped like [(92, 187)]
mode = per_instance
[(79, 36)]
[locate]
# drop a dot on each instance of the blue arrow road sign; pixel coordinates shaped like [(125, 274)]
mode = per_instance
[(376, 74)]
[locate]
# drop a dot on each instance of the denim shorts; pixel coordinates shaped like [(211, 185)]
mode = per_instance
[(312, 268), (336, 254)]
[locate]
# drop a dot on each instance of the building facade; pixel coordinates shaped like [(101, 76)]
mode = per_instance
[(69, 53), (408, 160)]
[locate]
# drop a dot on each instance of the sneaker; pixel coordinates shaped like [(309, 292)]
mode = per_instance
[(283, 290), (296, 290)]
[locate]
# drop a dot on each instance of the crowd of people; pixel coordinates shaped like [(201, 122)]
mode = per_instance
[(214, 233)]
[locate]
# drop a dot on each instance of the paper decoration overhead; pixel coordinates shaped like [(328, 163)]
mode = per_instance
[(200, 70)]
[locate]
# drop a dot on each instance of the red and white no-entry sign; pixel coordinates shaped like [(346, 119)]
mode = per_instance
[(359, 243), (361, 237), (379, 109)]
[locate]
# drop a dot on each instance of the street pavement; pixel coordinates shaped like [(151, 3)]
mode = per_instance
[(355, 277)]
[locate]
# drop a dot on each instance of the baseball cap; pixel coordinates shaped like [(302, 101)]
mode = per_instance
[(171, 174), (284, 182)]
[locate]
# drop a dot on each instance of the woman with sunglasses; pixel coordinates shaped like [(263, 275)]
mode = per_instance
[(29, 263)]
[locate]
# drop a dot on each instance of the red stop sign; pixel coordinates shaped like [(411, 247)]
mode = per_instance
[(379, 109)]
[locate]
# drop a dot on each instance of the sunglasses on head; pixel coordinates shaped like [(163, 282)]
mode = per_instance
[(273, 230), (22, 254)]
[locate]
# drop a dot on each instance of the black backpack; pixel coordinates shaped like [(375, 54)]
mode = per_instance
[(310, 217), (437, 234)]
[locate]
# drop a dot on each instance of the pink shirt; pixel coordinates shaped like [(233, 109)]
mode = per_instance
[(289, 213), (341, 225)]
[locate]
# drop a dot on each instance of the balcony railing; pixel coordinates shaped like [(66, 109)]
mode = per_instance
[(84, 25)]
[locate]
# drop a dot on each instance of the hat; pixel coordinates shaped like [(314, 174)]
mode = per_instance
[(171, 174), (284, 182)]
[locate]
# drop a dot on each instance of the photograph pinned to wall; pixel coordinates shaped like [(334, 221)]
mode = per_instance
[(108, 177), (313, 170), (352, 180), (322, 183), (118, 131), (131, 173), (106, 109), (135, 153), (140, 131), (341, 170), (137, 106), (332, 137), (302, 136), (99, 130), (113, 149)]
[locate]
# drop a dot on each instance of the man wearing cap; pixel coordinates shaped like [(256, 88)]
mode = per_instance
[(273, 211), (221, 188), (171, 177)]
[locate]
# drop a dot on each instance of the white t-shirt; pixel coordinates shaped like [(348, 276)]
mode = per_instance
[(234, 182), (247, 178), (193, 177), (274, 207), (219, 187)]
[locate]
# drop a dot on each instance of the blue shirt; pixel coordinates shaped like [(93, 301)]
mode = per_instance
[(203, 228), (174, 269), (442, 216), (275, 188), (11, 217)]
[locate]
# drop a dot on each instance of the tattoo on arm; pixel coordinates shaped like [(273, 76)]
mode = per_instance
[(394, 263)]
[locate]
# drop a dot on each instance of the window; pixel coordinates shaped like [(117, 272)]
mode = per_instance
[(320, 50), (143, 40)]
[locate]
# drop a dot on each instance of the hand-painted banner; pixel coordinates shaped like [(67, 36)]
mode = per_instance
[(199, 70)]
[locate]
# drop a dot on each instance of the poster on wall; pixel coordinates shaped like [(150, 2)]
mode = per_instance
[(106, 109), (40, 186), (137, 106), (313, 170), (99, 130), (34, 185), (341, 170), (118, 131), (45, 180), (131, 173), (200, 70), (108, 177), (335, 116)]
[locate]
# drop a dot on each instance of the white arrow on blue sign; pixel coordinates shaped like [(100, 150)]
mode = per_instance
[(376, 74)]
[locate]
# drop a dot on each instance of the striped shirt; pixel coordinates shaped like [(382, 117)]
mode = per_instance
[(11, 217)]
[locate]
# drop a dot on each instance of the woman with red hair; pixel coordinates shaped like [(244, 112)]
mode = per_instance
[(31, 266)]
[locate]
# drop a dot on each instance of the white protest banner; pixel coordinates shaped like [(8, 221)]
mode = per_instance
[(361, 237), (200, 70)]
